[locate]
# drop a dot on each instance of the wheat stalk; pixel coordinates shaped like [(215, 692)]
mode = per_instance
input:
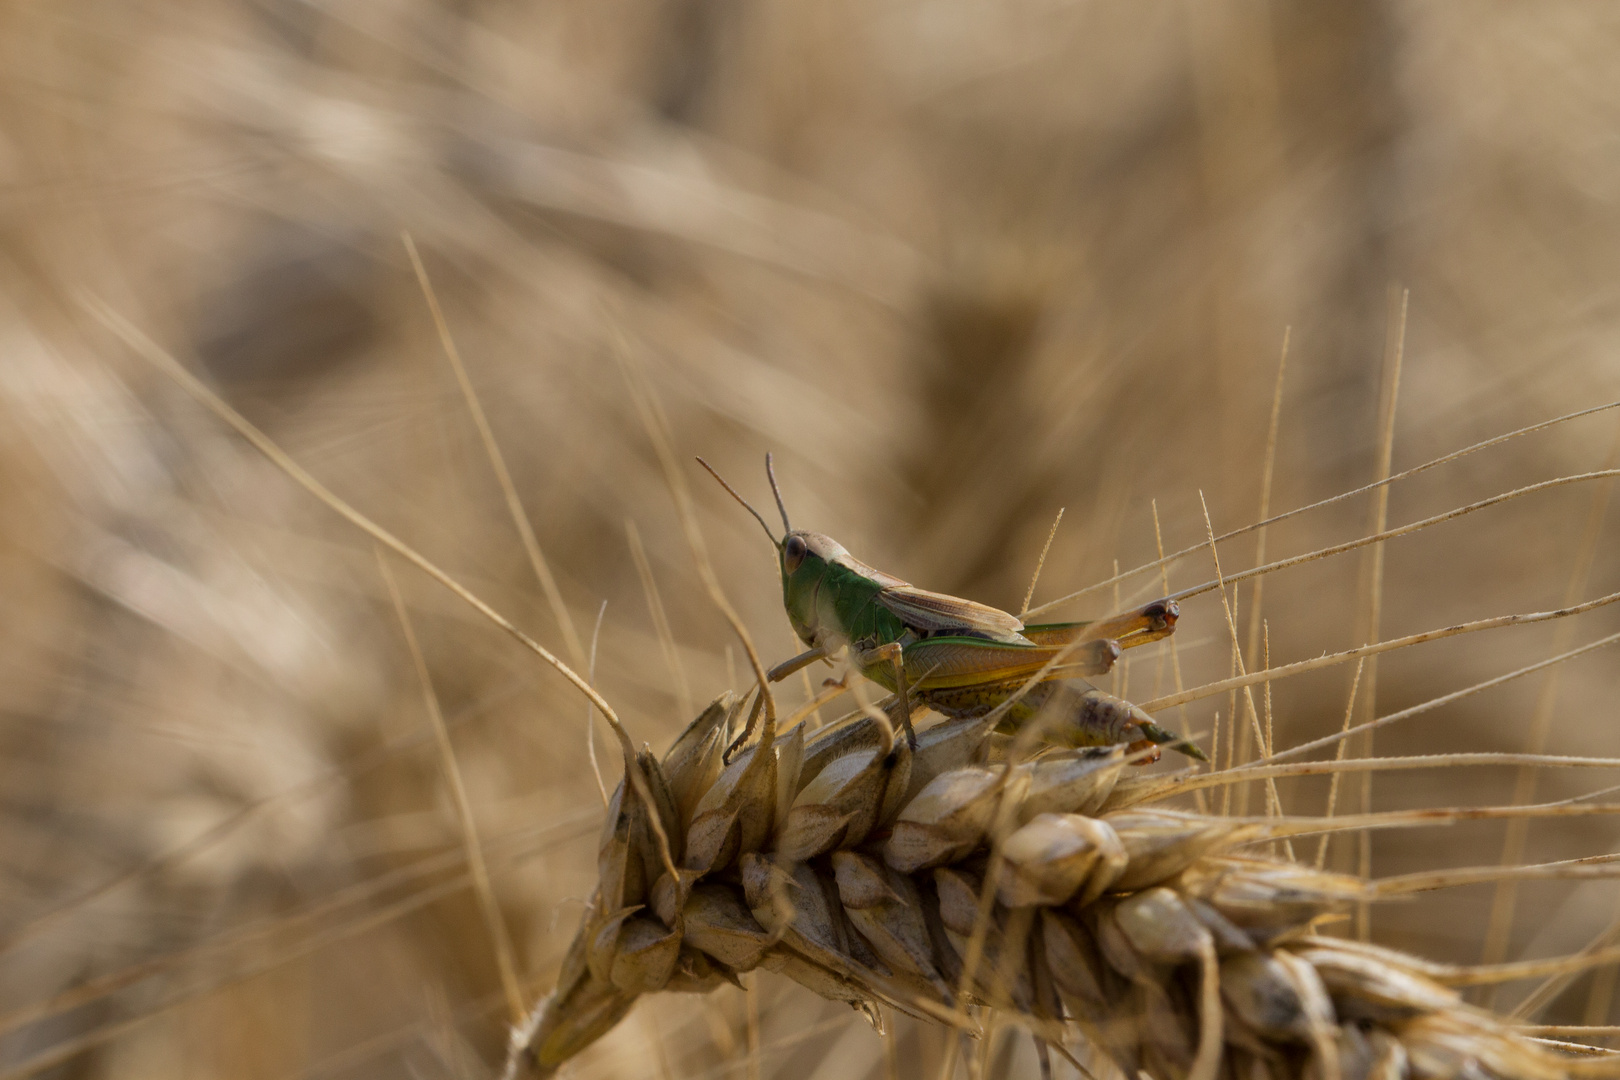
[(953, 877)]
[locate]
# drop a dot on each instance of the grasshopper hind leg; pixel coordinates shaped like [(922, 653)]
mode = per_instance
[(1085, 716)]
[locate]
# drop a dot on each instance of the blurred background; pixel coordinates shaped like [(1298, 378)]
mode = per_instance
[(958, 263)]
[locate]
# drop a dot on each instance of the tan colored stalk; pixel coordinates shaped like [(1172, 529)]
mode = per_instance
[(503, 475), (1499, 929), (655, 607), (1373, 573), (488, 908), (1175, 653), (1164, 560), (1332, 659), (1257, 594), (1273, 800), (1035, 578)]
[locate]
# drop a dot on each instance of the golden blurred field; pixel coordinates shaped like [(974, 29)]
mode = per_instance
[(958, 263)]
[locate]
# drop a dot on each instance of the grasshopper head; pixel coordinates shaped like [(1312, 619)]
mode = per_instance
[(804, 557)]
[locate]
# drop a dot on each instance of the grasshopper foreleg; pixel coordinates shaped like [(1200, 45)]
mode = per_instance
[(748, 729), (776, 674), (803, 660)]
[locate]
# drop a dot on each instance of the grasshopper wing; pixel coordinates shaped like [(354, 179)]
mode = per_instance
[(934, 612)]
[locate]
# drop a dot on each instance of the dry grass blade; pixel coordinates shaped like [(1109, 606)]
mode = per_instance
[(514, 505), (655, 606), (1332, 659), (1373, 574), (815, 703), (1444, 699), (1175, 651), (303, 923), (1338, 755), (1297, 825), (1403, 530), (479, 871), (590, 710), (112, 982), (1164, 560), (658, 432), (1273, 800), (1190, 781), (1257, 594), (1034, 579), (1544, 994), (1500, 925), (1429, 880), (217, 833)]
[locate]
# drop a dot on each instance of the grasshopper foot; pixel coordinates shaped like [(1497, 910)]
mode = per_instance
[(1161, 616), (1147, 748)]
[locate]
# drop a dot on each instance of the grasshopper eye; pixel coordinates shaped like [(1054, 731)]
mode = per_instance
[(793, 553)]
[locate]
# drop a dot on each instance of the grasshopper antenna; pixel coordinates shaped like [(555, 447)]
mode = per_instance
[(774, 541), (770, 471)]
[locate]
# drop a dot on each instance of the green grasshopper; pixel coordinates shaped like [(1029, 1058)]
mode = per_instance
[(964, 658)]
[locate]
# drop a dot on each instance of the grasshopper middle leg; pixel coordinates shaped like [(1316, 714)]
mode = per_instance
[(893, 654)]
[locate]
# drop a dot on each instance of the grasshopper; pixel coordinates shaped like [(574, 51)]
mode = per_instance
[(958, 657)]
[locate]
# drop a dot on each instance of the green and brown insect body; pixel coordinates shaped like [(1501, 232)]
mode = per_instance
[(964, 659), (959, 657)]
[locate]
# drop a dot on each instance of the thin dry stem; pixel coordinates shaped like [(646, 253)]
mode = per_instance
[(487, 905), (1177, 785), (1444, 699), (1163, 559), (1257, 594), (1029, 594), (1332, 659), (1544, 994), (1429, 880), (1175, 652), (590, 710), (1403, 530), (1373, 569), (100, 1036), (492, 449), (1273, 801), (1500, 926), (222, 829), (657, 429), (1338, 756), (1600, 992), (816, 702), (359, 895), (1409, 819), (655, 605)]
